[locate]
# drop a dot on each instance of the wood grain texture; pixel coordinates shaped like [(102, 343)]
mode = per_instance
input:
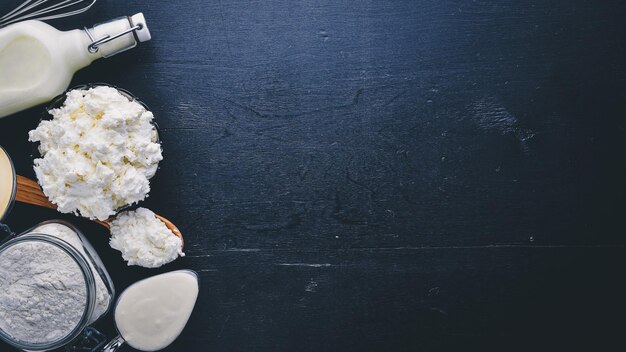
[(381, 175)]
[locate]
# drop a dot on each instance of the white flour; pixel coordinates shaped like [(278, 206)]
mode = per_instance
[(42, 292), (42, 289), (103, 298)]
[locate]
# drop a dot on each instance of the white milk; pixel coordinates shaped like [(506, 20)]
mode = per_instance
[(151, 313), (7, 178), (37, 62)]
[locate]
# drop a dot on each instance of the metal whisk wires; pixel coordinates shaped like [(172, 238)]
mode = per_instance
[(46, 10)]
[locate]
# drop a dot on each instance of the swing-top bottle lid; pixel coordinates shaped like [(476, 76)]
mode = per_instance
[(118, 35), (143, 33)]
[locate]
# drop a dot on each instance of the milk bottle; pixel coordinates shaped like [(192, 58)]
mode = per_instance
[(37, 61)]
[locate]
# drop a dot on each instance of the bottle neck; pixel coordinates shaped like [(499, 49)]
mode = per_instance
[(82, 51), (112, 37)]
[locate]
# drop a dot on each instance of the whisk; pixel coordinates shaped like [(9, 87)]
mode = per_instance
[(46, 10)]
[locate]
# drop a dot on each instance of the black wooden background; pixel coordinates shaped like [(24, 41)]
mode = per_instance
[(380, 175)]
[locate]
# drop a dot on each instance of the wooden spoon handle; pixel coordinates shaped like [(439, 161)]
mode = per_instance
[(29, 191)]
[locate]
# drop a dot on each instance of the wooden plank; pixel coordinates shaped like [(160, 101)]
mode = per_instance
[(403, 299)]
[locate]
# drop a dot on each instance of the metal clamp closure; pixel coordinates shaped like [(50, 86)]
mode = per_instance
[(96, 43)]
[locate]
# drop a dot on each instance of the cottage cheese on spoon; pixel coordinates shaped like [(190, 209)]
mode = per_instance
[(98, 153), (143, 239)]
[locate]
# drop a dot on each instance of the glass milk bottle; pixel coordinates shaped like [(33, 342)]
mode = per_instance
[(37, 61)]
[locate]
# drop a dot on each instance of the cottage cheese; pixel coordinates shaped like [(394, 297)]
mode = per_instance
[(143, 239), (99, 152)]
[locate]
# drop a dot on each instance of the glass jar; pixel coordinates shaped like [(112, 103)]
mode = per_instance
[(59, 261)]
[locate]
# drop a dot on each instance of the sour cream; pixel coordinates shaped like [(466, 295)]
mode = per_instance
[(151, 313)]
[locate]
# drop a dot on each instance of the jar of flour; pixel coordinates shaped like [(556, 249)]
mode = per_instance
[(53, 286)]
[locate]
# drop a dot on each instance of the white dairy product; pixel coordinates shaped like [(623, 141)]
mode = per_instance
[(7, 177), (99, 152), (143, 239), (151, 313), (37, 61), (103, 298), (42, 292)]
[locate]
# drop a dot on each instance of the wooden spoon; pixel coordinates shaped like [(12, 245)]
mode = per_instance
[(29, 191)]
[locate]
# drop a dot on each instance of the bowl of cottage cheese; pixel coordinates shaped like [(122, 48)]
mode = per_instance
[(97, 148)]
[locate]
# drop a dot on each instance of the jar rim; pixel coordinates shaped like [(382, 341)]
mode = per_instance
[(90, 288)]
